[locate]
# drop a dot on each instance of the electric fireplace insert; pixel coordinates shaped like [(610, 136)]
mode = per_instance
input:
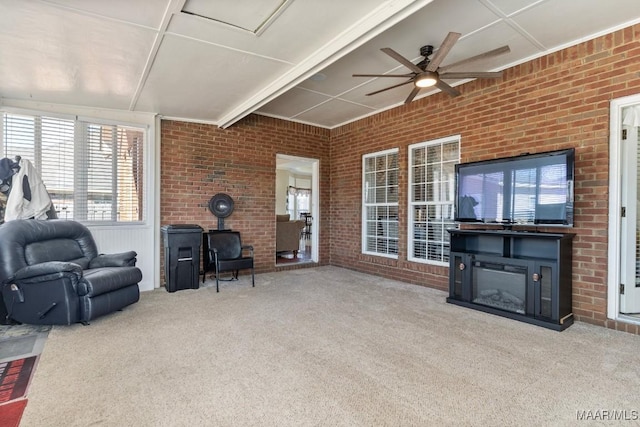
[(497, 285)]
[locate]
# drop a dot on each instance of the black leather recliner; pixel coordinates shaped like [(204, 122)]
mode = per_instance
[(51, 273)]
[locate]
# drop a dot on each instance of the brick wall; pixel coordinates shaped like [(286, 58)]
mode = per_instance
[(198, 161), (554, 102)]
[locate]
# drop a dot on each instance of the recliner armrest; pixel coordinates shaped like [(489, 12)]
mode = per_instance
[(123, 259), (42, 272)]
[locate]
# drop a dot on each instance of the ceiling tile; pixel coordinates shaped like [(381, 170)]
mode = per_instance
[(338, 77), (195, 80), (489, 38), (141, 12), (293, 102), (333, 113), (574, 19), (382, 99)]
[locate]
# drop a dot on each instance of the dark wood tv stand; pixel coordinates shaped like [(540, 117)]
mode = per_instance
[(522, 275)]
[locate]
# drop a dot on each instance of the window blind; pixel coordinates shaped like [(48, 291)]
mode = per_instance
[(432, 190), (92, 171), (380, 190)]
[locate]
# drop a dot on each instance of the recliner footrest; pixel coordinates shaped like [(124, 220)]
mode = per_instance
[(91, 308)]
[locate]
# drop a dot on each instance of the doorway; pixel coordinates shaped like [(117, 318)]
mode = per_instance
[(624, 221), (297, 195)]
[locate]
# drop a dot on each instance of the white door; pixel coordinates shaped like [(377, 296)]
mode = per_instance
[(629, 226)]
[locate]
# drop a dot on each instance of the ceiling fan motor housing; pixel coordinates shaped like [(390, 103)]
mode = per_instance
[(426, 50)]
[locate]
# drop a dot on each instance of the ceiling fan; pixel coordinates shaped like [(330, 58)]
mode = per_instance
[(428, 73)]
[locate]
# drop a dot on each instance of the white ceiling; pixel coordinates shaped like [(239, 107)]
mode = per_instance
[(217, 61)]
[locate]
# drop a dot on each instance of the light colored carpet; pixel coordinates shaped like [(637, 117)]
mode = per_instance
[(323, 347)]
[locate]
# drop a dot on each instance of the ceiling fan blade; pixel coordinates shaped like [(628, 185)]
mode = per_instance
[(443, 51), (446, 88), (401, 59), (383, 75), (472, 75), (489, 54), (390, 87), (412, 95)]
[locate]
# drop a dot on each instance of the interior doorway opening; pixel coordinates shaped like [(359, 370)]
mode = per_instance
[(297, 210)]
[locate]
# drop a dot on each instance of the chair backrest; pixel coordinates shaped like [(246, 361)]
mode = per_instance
[(227, 243), (26, 242)]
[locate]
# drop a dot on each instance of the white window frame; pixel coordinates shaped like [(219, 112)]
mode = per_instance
[(412, 230), (80, 162), (366, 204)]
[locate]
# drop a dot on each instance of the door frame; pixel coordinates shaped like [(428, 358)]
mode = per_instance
[(315, 201), (615, 205)]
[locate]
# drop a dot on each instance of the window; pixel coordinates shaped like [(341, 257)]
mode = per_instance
[(92, 171), (431, 198), (298, 202), (380, 203)]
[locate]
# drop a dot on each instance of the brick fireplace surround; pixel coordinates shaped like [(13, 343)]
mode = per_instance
[(557, 101)]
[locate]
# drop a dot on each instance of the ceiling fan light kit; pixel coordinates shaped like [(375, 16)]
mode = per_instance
[(426, 79), (427, 73)]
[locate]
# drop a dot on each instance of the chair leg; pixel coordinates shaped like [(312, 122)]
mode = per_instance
[(217, 275), (253, 280)]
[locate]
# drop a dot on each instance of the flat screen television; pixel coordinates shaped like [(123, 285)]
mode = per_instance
[(529, 189)]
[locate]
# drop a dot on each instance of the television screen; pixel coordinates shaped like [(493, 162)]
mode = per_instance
[(530, 189)]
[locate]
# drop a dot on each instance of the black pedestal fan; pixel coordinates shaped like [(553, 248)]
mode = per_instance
[(221, 205)]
